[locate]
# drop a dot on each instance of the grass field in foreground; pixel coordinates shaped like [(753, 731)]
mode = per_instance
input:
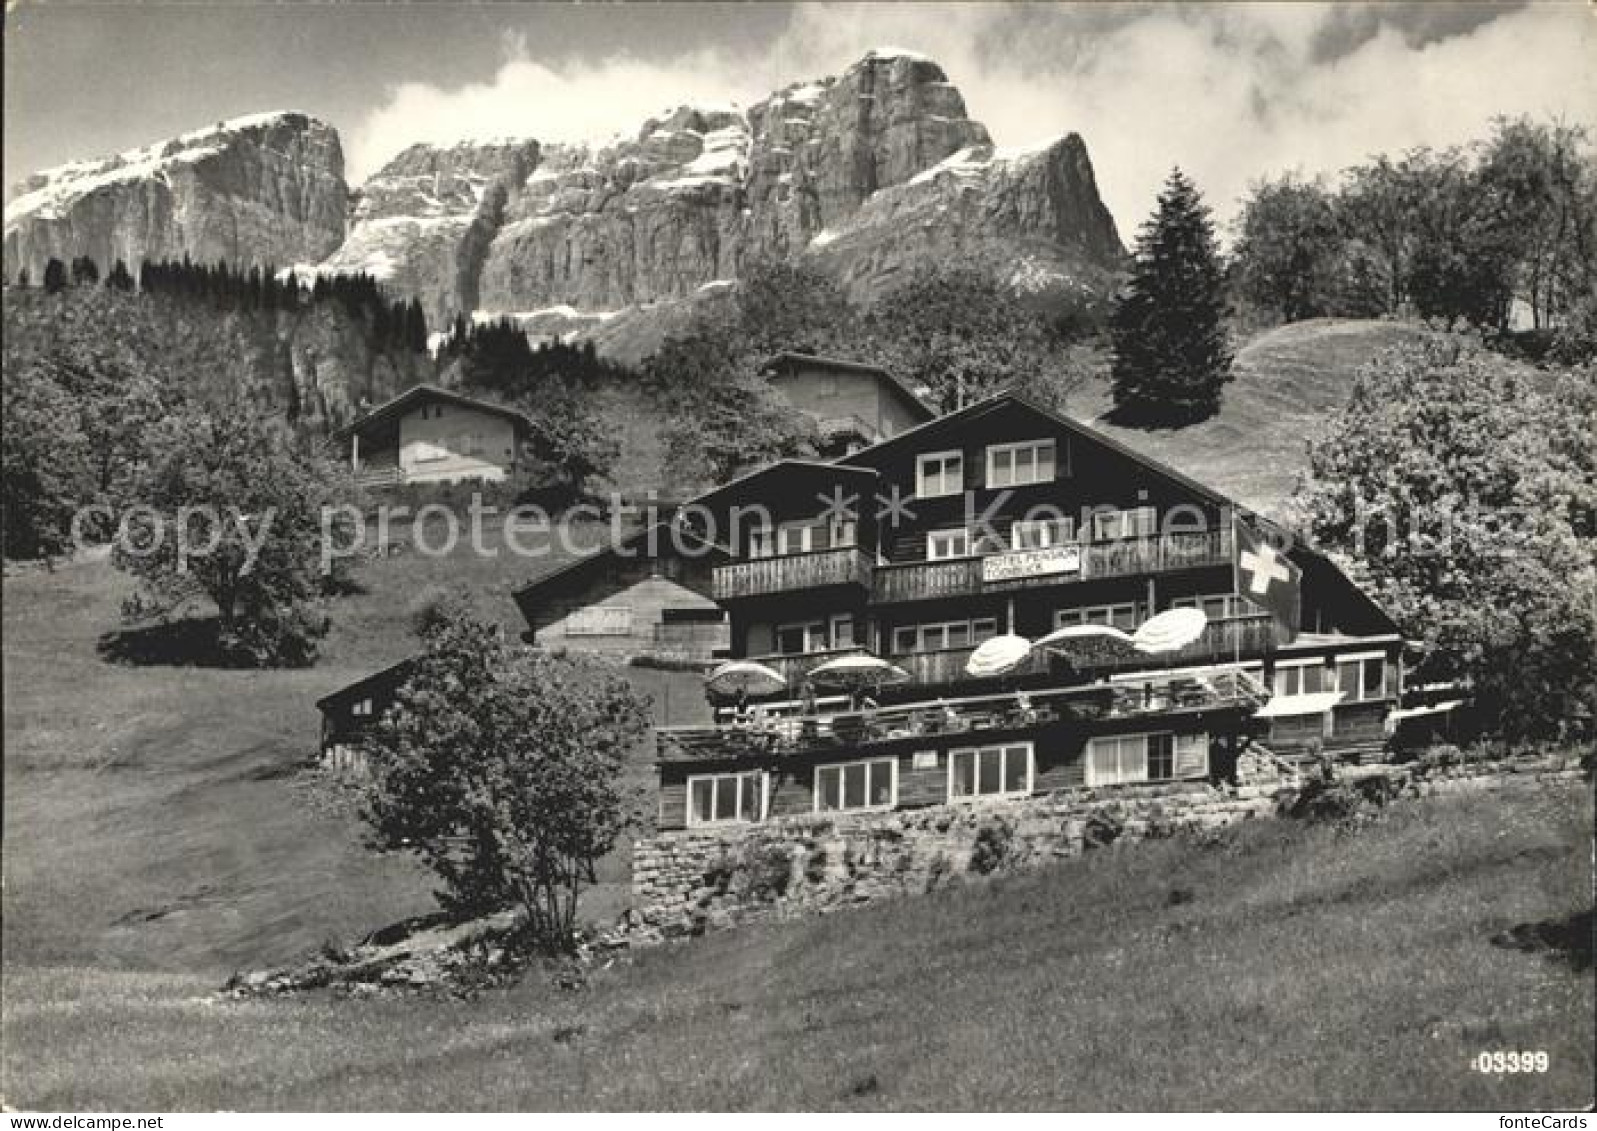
[(157, 816), (1283, 966)]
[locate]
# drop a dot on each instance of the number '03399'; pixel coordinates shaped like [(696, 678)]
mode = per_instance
[(1500, 1062)]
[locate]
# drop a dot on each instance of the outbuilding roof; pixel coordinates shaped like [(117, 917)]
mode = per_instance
[(416, 396)]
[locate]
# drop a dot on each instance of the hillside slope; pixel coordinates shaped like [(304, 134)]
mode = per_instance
[(1276, 966), (1288, 380), (157, 816)]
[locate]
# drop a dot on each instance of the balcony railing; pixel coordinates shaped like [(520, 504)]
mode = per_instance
[(379, 476), (847, 565), (1121, 557), (1245, 637), (1141, 697), (1232, 638)]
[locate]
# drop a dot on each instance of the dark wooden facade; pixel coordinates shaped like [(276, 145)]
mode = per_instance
[(1112, 537), (648, 596)]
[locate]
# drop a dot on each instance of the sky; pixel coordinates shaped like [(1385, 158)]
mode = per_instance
[(1229, 92)]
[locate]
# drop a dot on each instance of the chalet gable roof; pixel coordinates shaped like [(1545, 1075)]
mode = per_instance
[(953, 421), (663, 532), (783, 363), (418, 395), (380, 682)]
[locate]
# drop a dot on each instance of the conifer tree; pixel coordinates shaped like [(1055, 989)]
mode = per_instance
[(55, 276), (1171, 358), (118, 279)]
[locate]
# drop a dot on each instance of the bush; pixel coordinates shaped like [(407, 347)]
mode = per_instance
[(500, 768), (994, 843)]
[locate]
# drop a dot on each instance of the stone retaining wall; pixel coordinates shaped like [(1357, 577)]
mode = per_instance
[(685, 883)]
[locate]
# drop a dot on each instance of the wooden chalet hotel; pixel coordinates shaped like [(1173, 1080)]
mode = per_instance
[(1005, 519)]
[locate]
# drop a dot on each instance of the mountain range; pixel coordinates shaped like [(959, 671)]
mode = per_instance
[(864, 172)]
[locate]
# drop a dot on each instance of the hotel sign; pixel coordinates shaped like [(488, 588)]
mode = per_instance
[(1021, 564)]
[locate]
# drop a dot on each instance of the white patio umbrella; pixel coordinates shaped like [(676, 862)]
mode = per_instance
[(858, 670), (1169, 630), (746, 676), (1088, 644), (997, 656)]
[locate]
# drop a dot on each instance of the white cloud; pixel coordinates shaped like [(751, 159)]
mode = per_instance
[(1229, 92)]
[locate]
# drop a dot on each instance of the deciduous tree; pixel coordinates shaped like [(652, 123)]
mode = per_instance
[(500, 767)]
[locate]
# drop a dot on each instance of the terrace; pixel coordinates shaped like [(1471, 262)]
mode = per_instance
[(756, 577), (1075, 561), (1224, 640), (783, 730)]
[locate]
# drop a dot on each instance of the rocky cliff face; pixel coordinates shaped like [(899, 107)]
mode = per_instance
[(422, 224), (266, 189), (865, 171)]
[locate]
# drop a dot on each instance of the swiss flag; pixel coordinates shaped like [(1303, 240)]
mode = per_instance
[(1265, 575)]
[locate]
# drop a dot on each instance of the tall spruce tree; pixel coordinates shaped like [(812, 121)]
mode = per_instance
[(1171, 359)]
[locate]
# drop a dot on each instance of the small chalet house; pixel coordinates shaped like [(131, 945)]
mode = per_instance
[(350, 713), (1005, 517), (852, 404), (641, 597), (432, 435), (645, 597)]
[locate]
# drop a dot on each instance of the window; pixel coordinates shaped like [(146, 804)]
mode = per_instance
[(1014, 465), (942, 544), (939, 473), (1361, 677), (949, 634), (762, 542), (1116, 759), (795, 538), (362, 710), (843, 632), (1216, 606), (1301, 677), (843, 532), (857, 785), (795, 639), (1122, 616), (1135, 523), (990, 771), (715, 799), (1037, 534), (600, 620)]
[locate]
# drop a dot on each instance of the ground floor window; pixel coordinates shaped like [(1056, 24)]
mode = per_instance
[(1120, 758), (949, 634), (1361, 677), (1123, 617), (1215, 606), (857, 785), (1301, 677), (715, 799), (600, 620), (990, 771)]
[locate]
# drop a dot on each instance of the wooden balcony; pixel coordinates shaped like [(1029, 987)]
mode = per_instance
[(1121, 557), (1233, 638), (1152, 697), (389, 476), (757, 577)]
